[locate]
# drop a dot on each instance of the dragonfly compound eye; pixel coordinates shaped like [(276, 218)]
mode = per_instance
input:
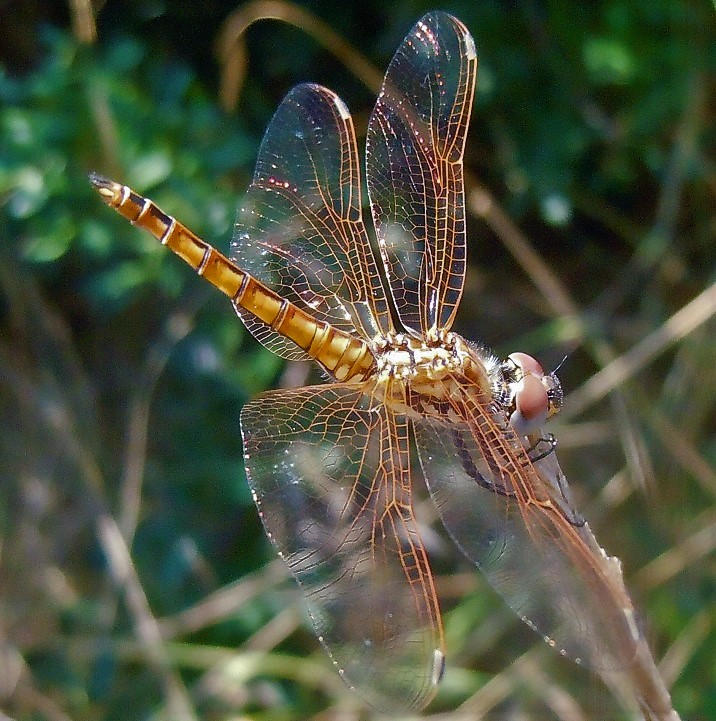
[(533, 397), (531, 404)]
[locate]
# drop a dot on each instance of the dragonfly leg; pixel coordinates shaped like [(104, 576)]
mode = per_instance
[(551, 442), (559, 483), (472, 470)]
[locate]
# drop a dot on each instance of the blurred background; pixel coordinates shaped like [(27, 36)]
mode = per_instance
[(135, 579)]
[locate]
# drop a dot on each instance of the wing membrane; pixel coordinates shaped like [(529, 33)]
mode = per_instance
[(329, 467), (300, 228), (415, 143), (514, 519)]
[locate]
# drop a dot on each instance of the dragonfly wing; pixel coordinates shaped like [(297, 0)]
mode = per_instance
[(515, 521), (329, 467), (300, 228), (415, 144)]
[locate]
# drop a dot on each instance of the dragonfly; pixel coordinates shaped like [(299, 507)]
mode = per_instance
[(408, 403)]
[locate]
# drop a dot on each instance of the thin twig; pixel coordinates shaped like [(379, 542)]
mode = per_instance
[(483, 205), (50, 411), (682, 650), (222, 603), (684, 321), (682, 449), (176, 327), (83, 24), (673, 561), (231, 47), (659, 239)]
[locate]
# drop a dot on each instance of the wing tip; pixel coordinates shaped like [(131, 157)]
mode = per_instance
[(438, 667), (342, 108), (434, 18), (470, 49)]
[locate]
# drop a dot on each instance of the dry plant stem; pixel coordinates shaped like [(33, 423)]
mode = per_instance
[(674, 440), (654, 697), (655, 245), (244, 666), (115, 542), (178, 704), (562, 704), (30, 698), (83, 24), (699, 544), (105, 125), (632, 441), (231, 48), (60, 422), (684, 451), (698, 311), (117, 553), (36, 324), (275, 631), (483, 205), (640, 671), (497, 690), (134, 463), (224, 602), (177, 327), (681, 651)]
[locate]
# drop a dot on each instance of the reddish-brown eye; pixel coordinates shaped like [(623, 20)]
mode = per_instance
[(527, 364), (535, 396), (531, 405)]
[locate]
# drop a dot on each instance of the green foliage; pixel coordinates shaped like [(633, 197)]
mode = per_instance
[(590, 128)]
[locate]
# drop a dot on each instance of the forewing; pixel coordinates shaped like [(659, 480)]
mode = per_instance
[(329, 467), (300, 229), (515, 520), (416, 138)]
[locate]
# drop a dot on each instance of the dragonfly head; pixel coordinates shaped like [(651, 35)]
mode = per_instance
[(530, 395)]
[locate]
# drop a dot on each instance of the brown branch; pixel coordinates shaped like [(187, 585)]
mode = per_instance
[(83, 24), (698, 311), (231, 46)]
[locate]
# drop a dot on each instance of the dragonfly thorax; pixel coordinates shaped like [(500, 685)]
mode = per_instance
[(431, 358)]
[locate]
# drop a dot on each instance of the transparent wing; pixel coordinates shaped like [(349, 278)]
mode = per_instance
[(515, 520), (415, 143), (329, 467), (300, 229)]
